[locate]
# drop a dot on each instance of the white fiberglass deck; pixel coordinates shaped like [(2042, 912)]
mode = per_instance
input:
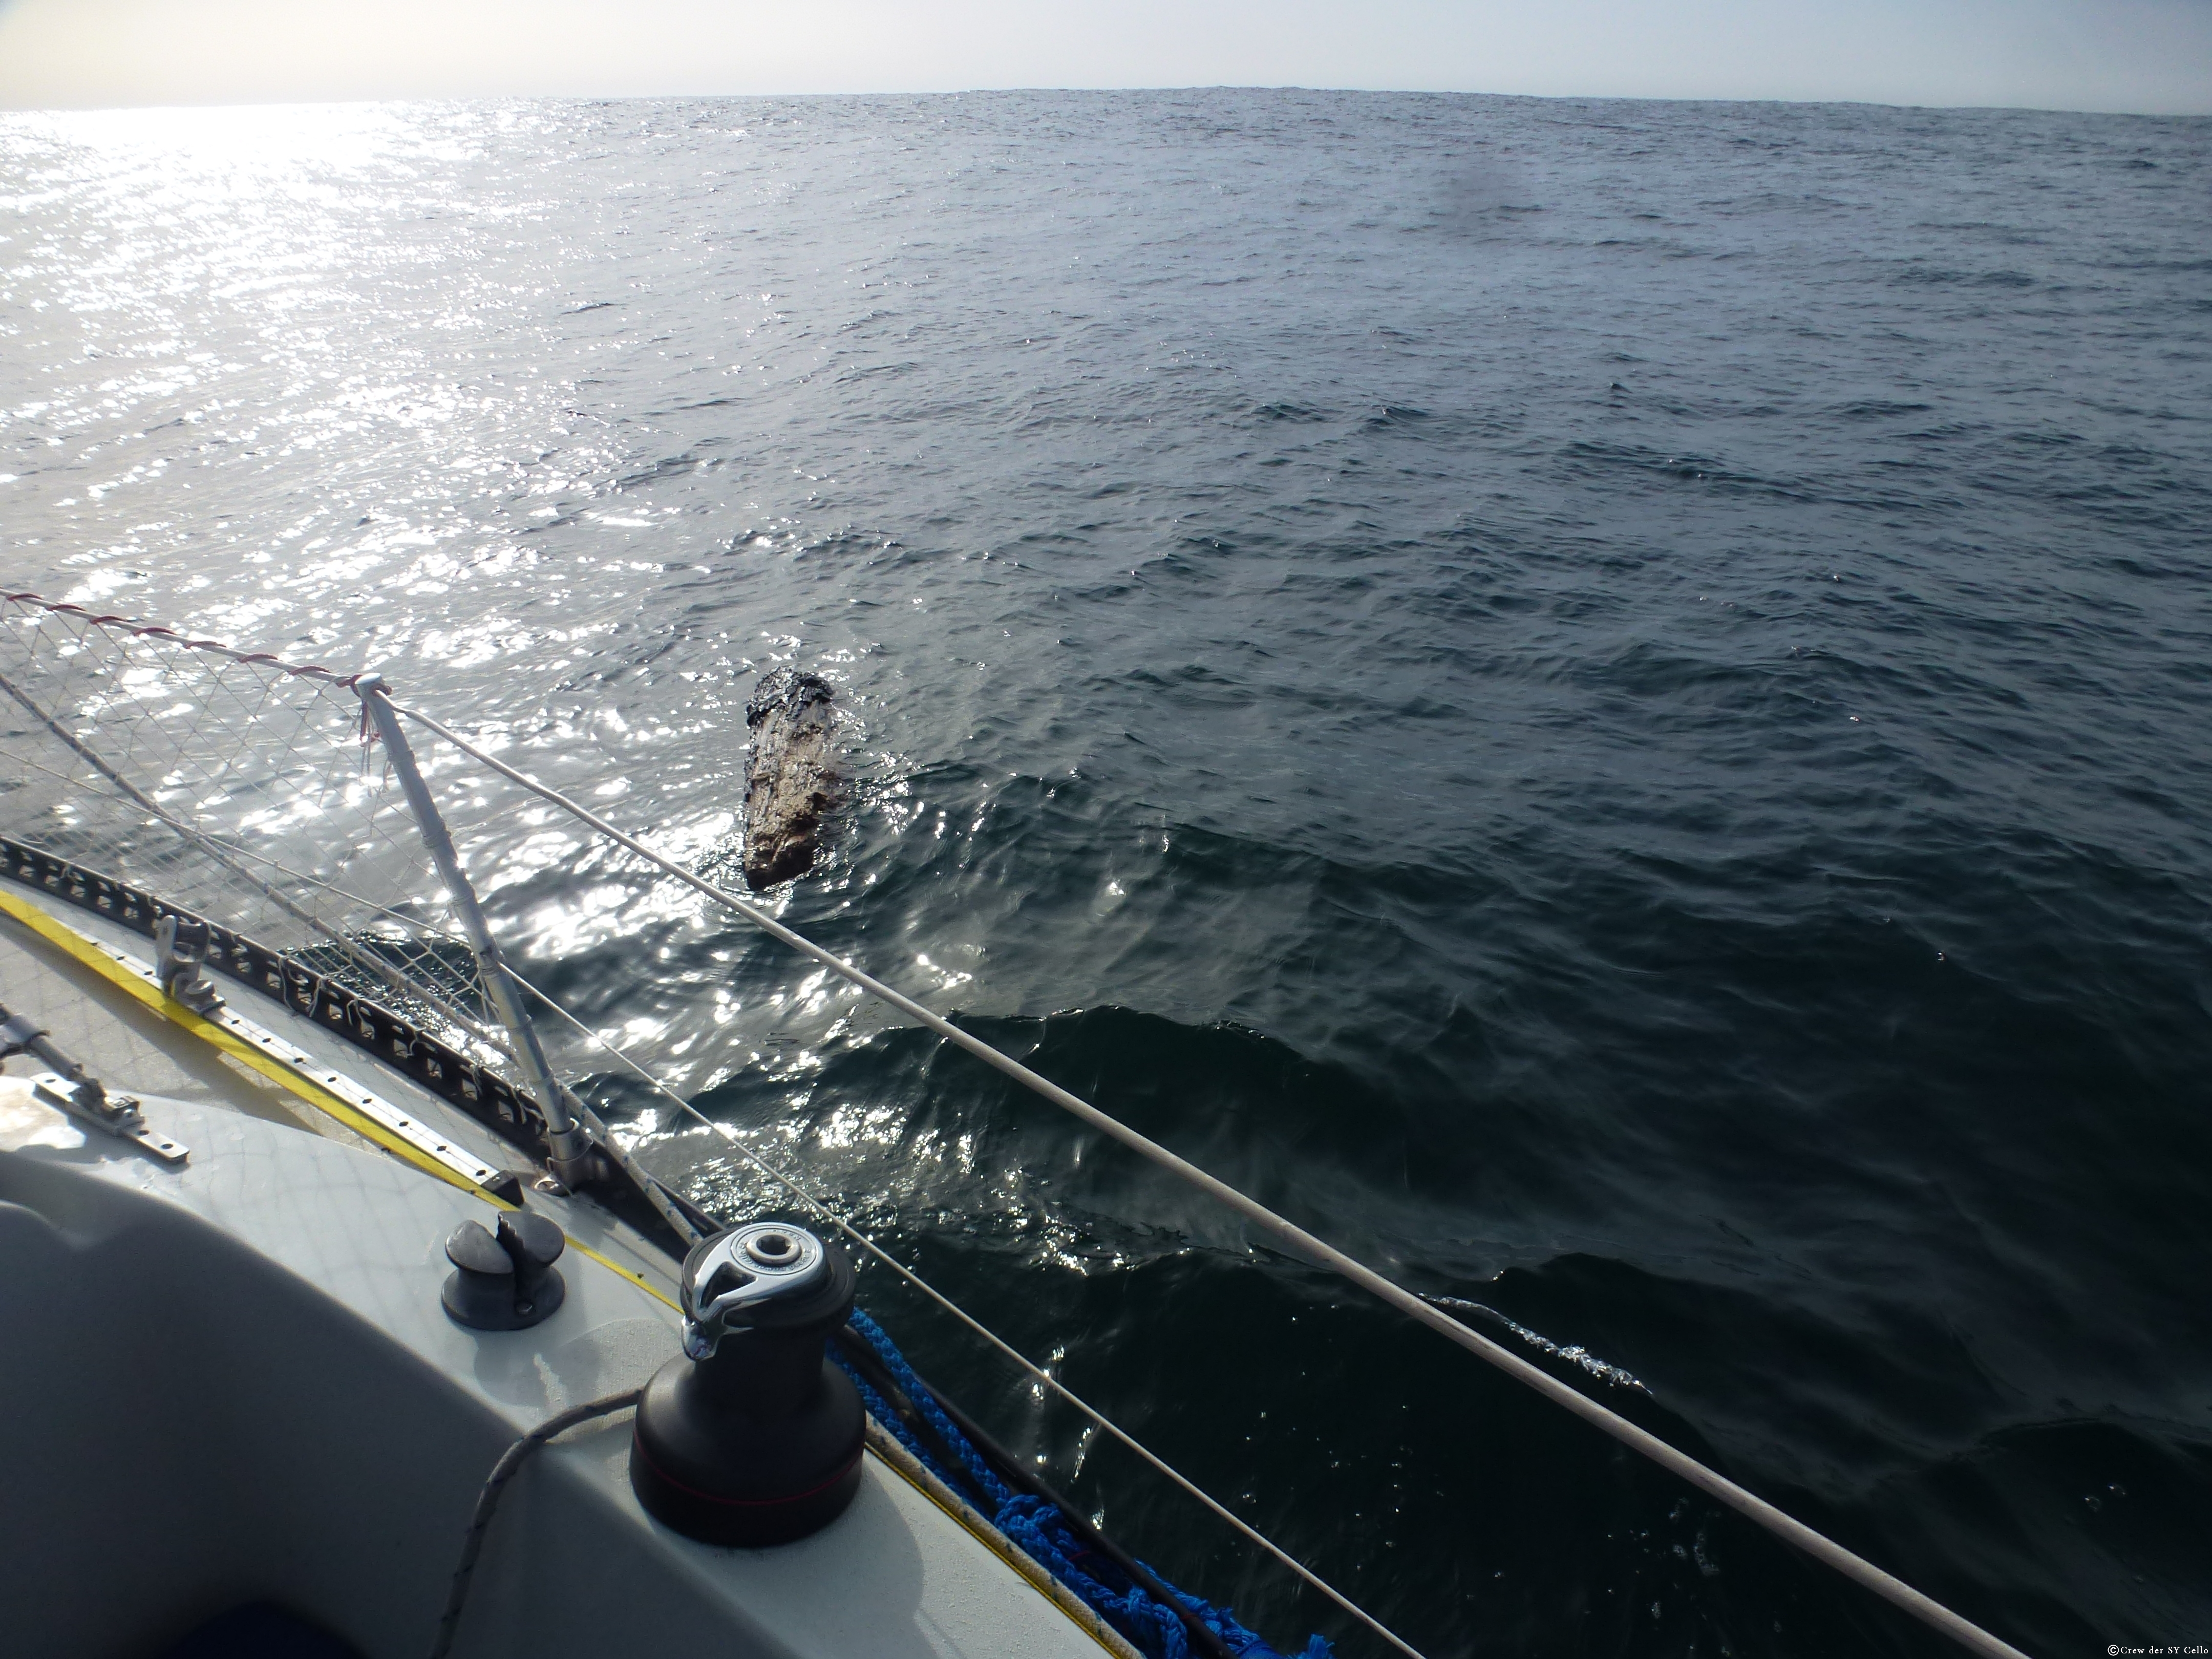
[(233, 1382)]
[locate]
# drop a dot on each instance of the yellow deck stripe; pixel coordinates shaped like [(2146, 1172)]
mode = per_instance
[(630, 1273), (58, 933), (1024, 1566)]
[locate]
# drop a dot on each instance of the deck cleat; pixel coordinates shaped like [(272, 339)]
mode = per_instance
[(507, 1282), (753, 1438)]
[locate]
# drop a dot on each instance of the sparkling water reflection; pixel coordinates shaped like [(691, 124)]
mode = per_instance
[(1604, 702)]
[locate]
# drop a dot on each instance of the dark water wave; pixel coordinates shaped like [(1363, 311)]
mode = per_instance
[(1604, 702)]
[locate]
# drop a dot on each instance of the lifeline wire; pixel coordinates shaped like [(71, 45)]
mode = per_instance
[(1300, 1242), (216, 849), (466, 1027), (675, 1217), (226, 854), (821, 1206)]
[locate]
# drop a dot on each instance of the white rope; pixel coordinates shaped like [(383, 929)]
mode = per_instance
[(1300, 1242)]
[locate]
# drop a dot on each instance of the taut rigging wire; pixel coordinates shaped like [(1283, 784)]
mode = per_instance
[(1295, 1240)]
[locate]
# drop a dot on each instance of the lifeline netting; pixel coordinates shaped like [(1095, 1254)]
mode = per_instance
[(247, 791), (238, 787)]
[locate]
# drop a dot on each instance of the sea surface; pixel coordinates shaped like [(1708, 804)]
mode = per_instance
[(1609, 703)]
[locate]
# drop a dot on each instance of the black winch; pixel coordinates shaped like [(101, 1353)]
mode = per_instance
[(753, 1438)]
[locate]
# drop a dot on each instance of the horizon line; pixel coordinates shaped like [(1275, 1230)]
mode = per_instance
[(493, 98)]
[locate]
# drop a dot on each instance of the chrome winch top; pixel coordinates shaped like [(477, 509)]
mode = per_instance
[(728, 1276)]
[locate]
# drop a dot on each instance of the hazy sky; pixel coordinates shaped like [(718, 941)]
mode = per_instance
[(2136, 55)]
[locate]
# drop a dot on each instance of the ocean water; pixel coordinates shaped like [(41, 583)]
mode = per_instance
[(1606, 703)]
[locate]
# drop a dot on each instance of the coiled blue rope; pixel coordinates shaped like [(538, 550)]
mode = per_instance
[(1042, 1532)]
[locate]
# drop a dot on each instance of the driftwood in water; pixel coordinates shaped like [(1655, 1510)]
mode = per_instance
[(791, 779)]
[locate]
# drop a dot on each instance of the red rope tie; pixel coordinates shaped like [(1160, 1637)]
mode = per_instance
[(162, 631)]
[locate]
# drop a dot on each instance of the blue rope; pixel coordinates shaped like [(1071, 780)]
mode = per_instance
[(1042, 1532)]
